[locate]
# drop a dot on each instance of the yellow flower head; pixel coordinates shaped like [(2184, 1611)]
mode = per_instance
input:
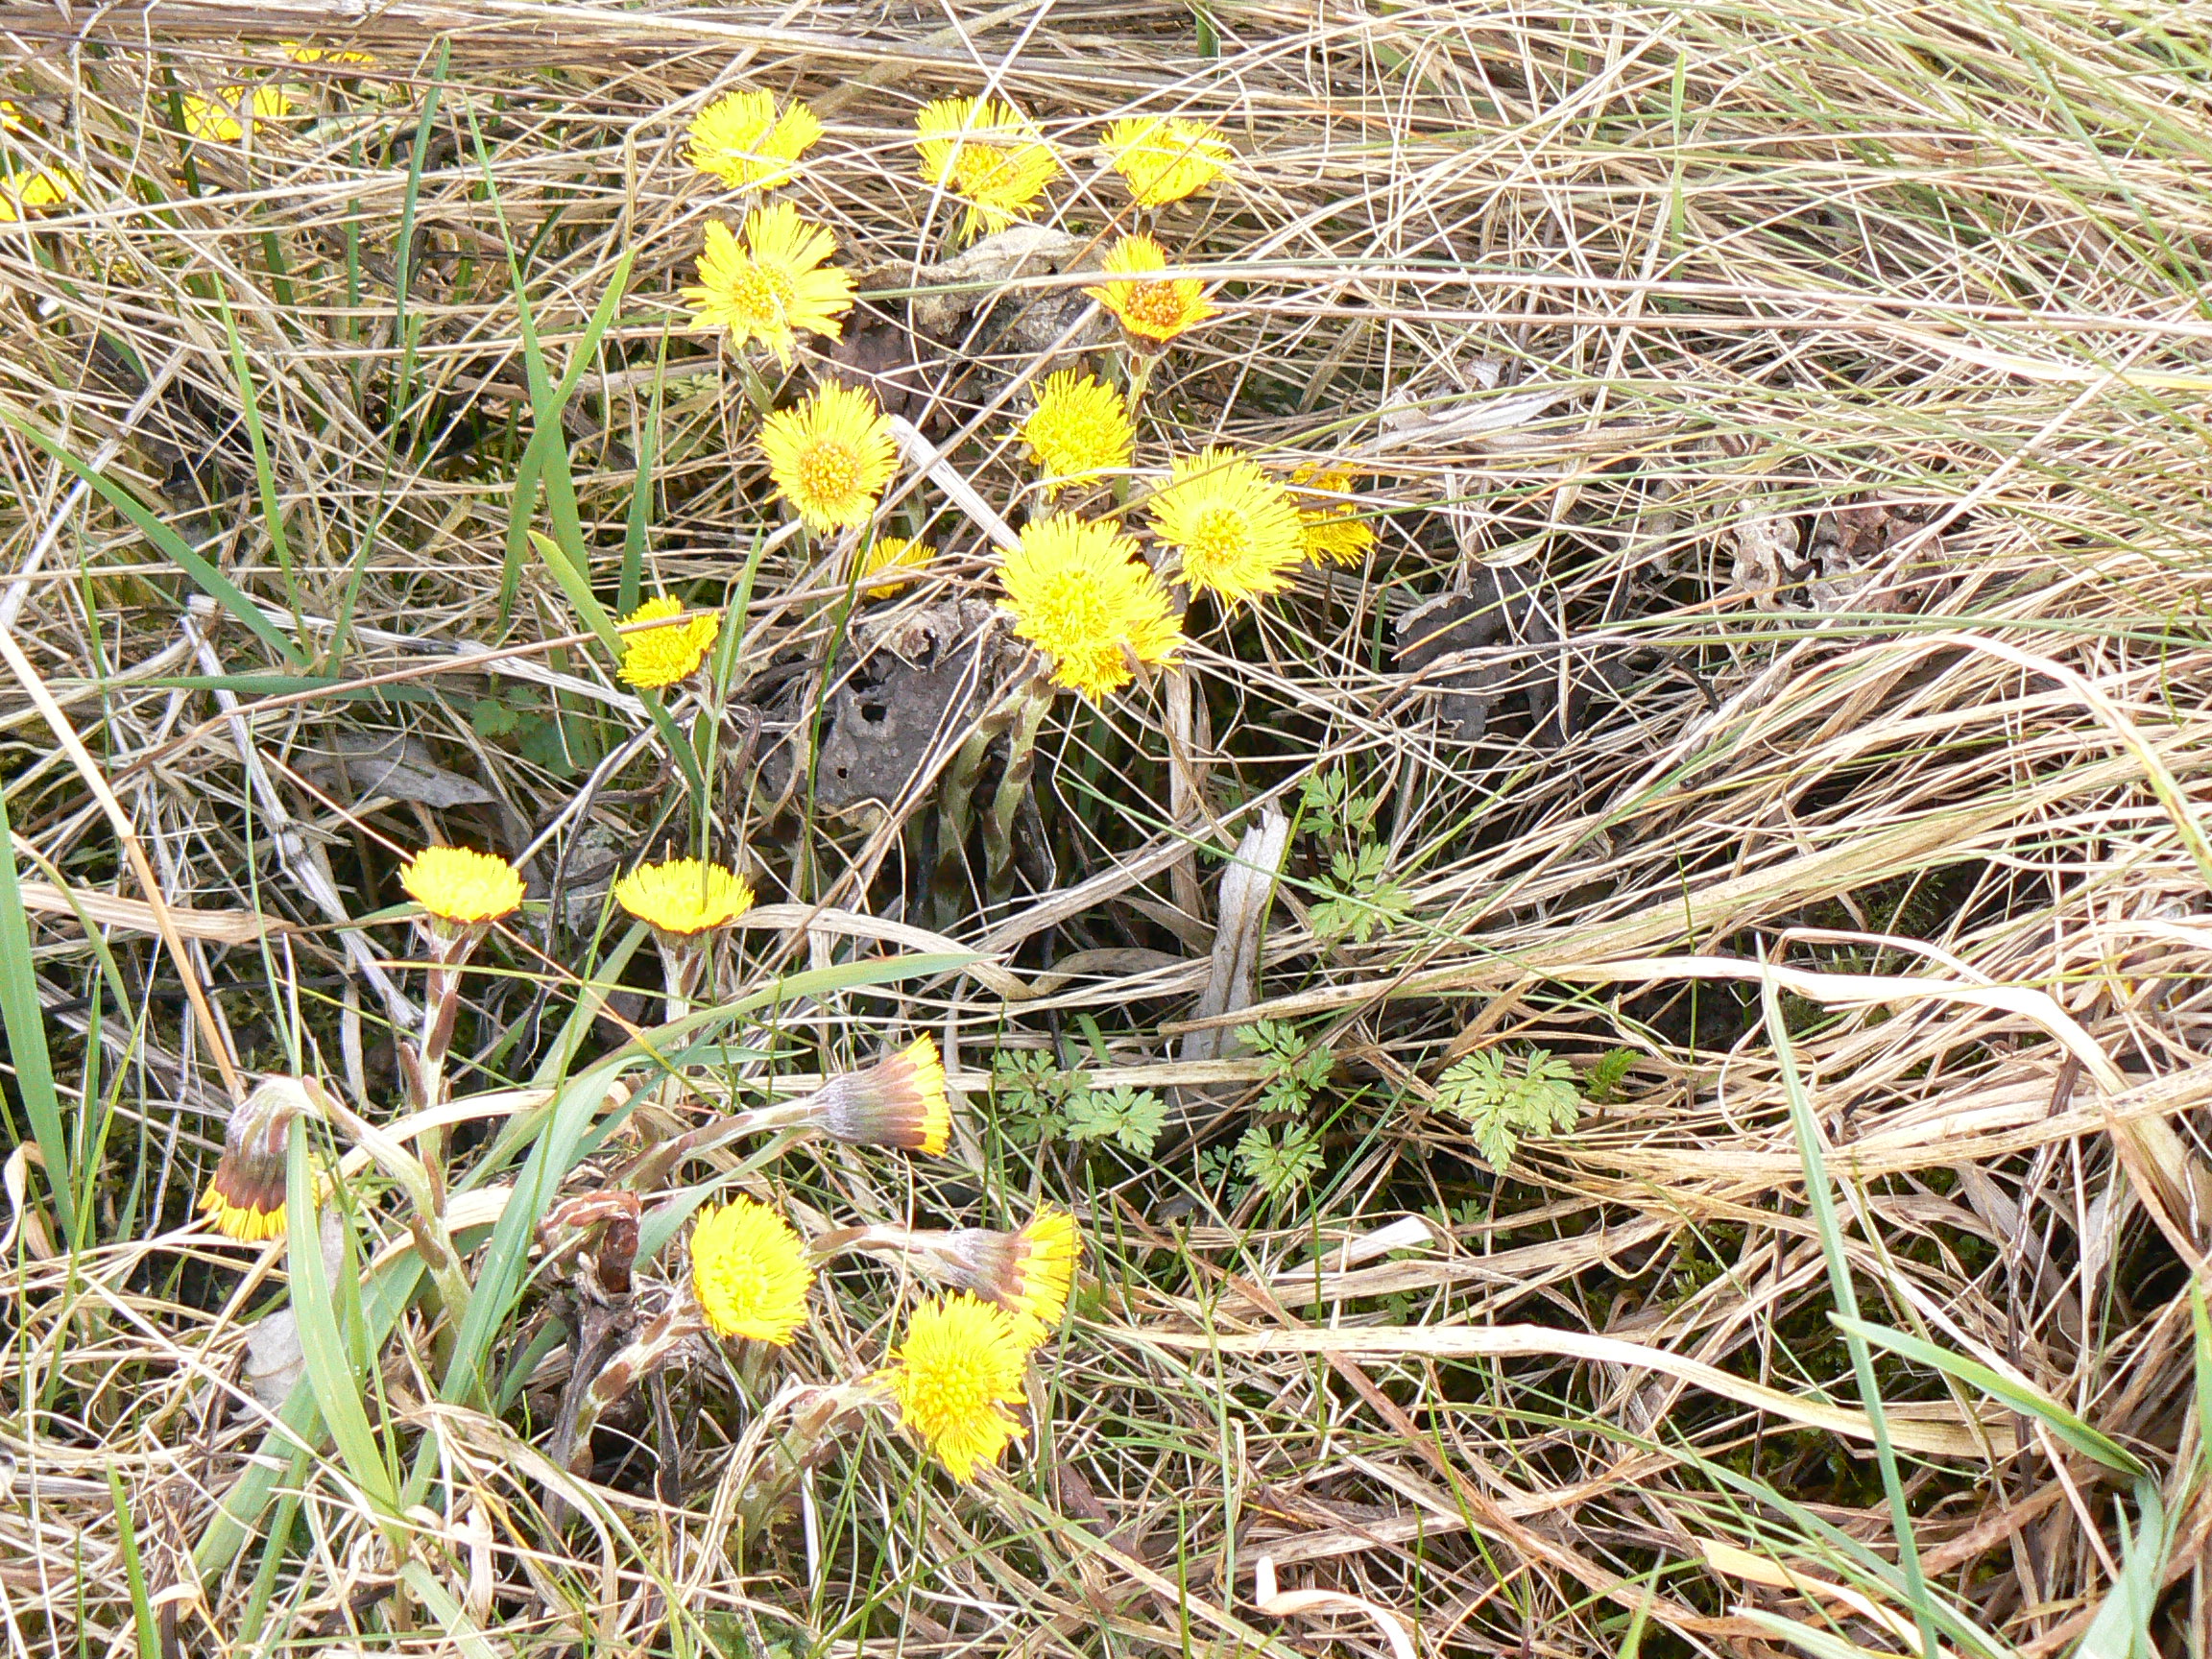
[(1079, 428), (899, 1101), (462, 888), (1079, 592), (830, 454), (988, 156), (300, 54), (1237, 528), (46, 186), (1333, 530), (894, 556), (245, 1198), (11, 115), (773, 286), (684, 896), (1165, 158), (657, 657), (746, 143), (1153, 308), (749, 1272), (1028, 1273), (955, 1377), (224, 119)]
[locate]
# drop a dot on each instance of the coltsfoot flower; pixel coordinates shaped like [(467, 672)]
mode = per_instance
[(1028, 1273), (300, 54), (660, 657), (683, 896), (1150, 307), (224, 119), (1165, 158), (899, 1101), (746, 143), (986, 154), (1079, 592), (773, 286), (48, 186), (959, 1369), (749, 1272), (1237, 528), (894, 560), (830, 454), (1333, 530), (461, 887), (245, 1198), (1079, 429)]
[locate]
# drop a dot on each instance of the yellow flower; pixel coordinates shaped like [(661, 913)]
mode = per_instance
[(223, 117), (457, 885), (1237, 528), (749, 1272), (987, 154), (1028, 1273), (830, 455), (300, 54), (1165, 158), (1155, 309), (43, 187), (955, 1377), (684, 896), (1333, 530), (899, 1101), (743, 141), (1079, 428), (11, 115), (895, 555), (657, 657), (1079, 593), (775, 285), (245, 1198)]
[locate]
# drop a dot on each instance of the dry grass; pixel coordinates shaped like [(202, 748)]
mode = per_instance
[(1612, 297)]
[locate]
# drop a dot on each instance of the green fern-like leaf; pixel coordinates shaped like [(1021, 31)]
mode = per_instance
[(1504, 1104)]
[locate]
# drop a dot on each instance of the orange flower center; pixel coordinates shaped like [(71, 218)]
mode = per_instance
[(828, 470), (1152, 305)]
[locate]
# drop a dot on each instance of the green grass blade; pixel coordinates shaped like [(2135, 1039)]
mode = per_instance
[(264, 473), (1821, 1201), (2122, 1627), (331, 1373), (2023, 1398), (25, 1023), (134, 1571), (171, 546)]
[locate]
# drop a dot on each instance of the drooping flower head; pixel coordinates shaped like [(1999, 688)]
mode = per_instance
[(1028, 1273), (48, 186), (830, 454), (749, 1272), (1079, 592), (1165, 158), (682, 898), (224, 119), (955, 1375), (1149, 306), (1331, 529), (245, 1198), (893, 559), (462, 888), (1079, 428), (773, 286), (658, 657), (1237, 528), (989, 156), (744, 141), (899, 1101)]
